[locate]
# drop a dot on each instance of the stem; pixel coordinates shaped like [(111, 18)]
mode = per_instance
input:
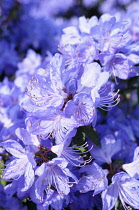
[(111, 169), (49, 150), (118, 169)]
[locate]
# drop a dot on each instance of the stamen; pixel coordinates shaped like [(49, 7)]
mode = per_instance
[(123, 203), (109, 101)]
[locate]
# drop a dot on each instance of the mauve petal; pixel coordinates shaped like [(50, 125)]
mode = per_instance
[(14, 148)]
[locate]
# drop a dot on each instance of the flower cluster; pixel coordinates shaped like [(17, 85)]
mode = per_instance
[(69, 105)]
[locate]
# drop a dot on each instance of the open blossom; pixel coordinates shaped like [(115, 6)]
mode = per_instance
[(95, 179), (52, 125), (114, 34), (21, 165), (61, 100), (54, 199), (21, 168), (53, 174), (119, 65), (124, 187)]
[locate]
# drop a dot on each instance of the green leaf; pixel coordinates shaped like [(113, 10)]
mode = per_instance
[(24, 200), (79, 138), (84, 131), (31, 205), (92, 134), (3, 182)]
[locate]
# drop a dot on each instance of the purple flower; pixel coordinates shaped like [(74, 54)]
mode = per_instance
[(82, 108), (53, 199), (22, 164), (86, 51), (78, 47), (53, 174), (61, 100), (124, 187), (110, 34), (118, 65), (76, 55), (94, 180), (52, 125), (47, 88)]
